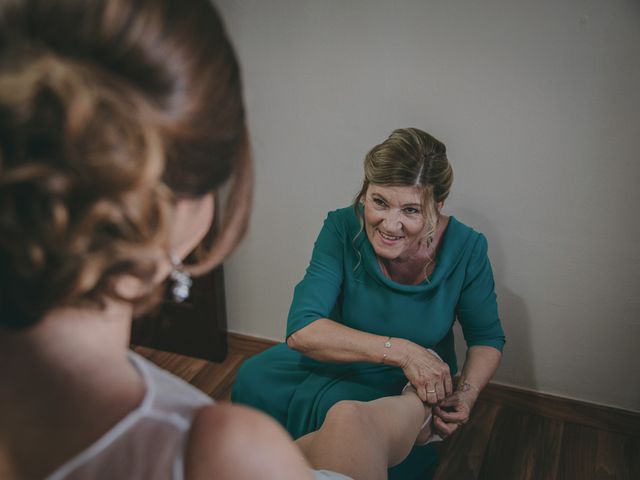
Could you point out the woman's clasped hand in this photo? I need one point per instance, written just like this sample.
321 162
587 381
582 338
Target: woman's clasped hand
453 412
426 371
431 378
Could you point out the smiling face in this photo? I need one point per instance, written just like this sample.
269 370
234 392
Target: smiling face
394 220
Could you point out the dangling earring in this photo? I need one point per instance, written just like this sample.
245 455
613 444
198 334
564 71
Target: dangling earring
181 280
429 240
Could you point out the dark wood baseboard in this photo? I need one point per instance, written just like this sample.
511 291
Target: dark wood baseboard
248 344
565 409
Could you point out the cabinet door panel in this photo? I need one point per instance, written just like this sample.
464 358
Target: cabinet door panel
197 327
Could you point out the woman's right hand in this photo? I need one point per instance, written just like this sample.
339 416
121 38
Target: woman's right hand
428 374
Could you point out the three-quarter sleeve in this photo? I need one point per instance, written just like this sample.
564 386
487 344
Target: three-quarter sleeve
315 296
477 308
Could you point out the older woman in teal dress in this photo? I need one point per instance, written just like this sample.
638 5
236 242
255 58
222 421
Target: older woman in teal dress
387 279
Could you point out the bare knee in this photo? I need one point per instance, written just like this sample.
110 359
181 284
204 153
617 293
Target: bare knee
350 442
347 408
350 413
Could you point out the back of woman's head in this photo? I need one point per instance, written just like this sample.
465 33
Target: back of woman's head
109 111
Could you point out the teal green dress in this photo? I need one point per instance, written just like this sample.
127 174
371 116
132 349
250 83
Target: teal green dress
344 283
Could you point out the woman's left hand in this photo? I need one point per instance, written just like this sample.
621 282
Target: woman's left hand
455 410
452 412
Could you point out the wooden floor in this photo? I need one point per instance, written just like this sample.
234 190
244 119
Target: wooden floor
512 435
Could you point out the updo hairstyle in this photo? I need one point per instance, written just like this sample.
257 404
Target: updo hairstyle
110 110
410 157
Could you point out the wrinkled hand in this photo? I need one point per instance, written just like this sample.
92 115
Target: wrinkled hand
452 412
428 374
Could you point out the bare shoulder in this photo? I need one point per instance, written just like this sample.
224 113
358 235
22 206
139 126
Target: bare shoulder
233 442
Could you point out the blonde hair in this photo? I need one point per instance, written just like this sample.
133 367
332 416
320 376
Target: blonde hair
409 157
102 127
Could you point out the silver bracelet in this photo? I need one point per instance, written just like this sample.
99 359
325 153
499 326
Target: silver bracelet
387 344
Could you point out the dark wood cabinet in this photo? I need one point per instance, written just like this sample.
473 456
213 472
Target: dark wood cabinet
197 327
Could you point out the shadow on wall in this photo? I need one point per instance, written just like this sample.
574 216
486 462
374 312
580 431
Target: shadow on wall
517 366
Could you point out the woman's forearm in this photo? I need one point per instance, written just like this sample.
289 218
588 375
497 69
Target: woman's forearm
329 341
479 367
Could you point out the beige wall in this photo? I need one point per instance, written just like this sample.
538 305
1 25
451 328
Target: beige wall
539 105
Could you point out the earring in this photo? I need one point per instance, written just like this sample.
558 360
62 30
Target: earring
181 280
429 240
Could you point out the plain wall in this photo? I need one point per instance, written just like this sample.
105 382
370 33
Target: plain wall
538 104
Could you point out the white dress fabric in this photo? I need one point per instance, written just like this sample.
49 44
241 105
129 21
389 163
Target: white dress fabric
148 443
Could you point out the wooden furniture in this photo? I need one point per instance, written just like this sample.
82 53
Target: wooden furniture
196 328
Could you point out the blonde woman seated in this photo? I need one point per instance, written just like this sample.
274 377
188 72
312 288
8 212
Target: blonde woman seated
388 277
118 122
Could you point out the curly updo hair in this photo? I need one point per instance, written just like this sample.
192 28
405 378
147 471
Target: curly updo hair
110 110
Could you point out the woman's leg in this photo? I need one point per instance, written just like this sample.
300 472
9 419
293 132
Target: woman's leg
364 439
